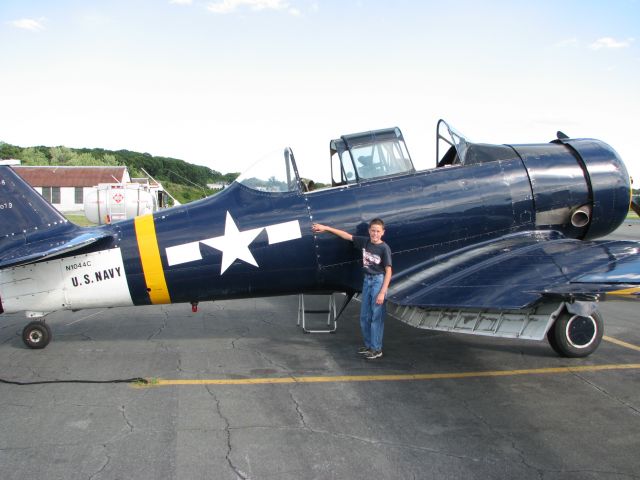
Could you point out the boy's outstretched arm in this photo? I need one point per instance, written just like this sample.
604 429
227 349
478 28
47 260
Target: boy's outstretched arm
319 228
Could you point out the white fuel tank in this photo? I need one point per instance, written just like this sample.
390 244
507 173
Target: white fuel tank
109 203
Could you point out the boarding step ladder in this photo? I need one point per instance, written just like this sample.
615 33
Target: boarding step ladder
313 306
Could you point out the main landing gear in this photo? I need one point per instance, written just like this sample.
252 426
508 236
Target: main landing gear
572 329
36 334
576 335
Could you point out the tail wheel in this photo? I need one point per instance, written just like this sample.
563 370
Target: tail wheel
576 336
36 335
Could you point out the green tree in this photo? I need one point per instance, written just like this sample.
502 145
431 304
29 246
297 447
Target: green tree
110 159
33 156
9 151
230 177
186 180
61 155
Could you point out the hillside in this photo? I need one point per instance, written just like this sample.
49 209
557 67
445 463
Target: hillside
184 181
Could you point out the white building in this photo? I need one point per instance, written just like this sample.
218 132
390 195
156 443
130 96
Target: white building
66 187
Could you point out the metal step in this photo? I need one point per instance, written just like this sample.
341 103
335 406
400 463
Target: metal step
525 324
330 312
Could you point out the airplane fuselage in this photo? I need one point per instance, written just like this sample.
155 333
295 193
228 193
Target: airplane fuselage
244 242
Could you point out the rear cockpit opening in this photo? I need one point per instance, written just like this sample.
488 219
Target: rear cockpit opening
453 148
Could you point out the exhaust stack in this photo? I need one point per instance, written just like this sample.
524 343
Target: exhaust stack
581 216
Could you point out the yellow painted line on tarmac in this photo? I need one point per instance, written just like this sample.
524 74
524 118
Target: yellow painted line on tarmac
621 343
159 382
633 291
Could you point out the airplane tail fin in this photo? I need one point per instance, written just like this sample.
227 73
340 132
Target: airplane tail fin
22 209
31 229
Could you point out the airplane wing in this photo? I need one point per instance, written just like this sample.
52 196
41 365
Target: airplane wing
518 270
20 253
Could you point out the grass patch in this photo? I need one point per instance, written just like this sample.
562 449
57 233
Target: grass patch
79 219
146 382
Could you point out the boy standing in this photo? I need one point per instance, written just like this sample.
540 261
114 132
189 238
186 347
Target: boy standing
376 265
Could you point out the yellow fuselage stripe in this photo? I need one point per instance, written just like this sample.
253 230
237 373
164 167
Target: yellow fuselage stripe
150 258
388 378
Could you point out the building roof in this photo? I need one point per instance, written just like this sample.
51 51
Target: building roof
57 176
9 161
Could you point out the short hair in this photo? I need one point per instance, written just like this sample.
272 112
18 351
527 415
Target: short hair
376 221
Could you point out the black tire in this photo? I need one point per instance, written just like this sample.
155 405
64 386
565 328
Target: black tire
551 338
576 336
36 335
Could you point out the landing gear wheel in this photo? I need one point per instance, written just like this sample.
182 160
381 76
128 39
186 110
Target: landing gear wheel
551 338
36 334
576 336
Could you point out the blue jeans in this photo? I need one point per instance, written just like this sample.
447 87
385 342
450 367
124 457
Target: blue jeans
371 314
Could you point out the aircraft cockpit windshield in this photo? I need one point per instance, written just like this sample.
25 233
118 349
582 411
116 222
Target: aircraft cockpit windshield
275 172
369 155
451 147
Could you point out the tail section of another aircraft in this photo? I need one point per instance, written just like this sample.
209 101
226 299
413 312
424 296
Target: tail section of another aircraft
23 211
31 229
37 274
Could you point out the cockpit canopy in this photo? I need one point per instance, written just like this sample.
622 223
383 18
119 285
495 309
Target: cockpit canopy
358 157
369 155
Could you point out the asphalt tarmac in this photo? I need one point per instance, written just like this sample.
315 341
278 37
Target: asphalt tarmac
238 391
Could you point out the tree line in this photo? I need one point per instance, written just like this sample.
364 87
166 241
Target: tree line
183 180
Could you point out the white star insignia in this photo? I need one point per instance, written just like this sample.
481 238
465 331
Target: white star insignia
234 244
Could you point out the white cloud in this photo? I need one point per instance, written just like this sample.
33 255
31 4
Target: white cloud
609 42
181 2
28 24
228 6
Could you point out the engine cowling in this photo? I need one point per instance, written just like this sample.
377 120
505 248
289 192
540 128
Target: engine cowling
580 186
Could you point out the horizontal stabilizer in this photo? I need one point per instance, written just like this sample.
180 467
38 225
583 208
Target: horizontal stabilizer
518 270
47 248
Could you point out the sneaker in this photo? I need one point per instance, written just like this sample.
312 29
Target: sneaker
363 350
373 354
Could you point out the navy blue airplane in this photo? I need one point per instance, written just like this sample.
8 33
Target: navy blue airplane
495 240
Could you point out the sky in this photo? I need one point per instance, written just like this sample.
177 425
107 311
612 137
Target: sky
222 83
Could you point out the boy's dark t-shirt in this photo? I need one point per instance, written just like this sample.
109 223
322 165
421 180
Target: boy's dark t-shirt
374 257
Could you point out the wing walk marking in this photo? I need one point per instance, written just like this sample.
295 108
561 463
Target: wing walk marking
150 258
621 343
391 378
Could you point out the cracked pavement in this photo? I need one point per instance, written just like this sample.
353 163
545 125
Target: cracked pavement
582 425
